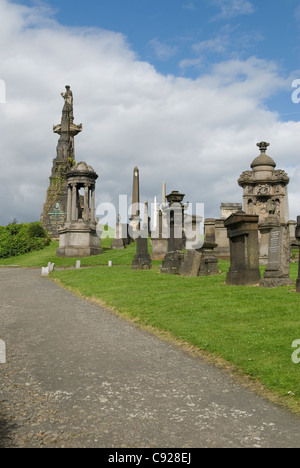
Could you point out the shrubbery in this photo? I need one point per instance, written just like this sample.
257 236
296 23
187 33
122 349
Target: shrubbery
17 239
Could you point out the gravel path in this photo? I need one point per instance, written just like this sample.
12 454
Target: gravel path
78 376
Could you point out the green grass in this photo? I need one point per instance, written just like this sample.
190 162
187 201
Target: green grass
250 327
41 258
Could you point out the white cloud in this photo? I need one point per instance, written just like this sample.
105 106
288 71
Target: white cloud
162 50
232 8
198 136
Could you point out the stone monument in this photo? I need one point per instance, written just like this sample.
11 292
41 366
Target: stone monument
260 185
173 259
55 208
78 237
159 238
277 272
244 254
134 223
209 261
142 260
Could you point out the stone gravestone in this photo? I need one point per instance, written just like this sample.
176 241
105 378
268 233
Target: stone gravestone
142 260
191 263
277 272
209 261
242 231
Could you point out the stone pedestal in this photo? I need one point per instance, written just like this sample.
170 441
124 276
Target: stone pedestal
277 272
171 264
78 239
209 262
242 232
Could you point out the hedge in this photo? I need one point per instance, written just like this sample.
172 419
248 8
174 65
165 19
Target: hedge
17 239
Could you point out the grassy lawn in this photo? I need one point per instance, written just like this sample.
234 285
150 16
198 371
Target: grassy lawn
250 327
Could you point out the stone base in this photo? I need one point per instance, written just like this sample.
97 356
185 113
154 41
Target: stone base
118 244
142 262
78 240
172 263
209 265
243 278
276 282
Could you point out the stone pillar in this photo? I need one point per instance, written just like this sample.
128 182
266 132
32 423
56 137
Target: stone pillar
74 202
86 204
69 204
172 262
242 231
93 204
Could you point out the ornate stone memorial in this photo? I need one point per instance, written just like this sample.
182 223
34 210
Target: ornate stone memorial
261 185
55 208
78 237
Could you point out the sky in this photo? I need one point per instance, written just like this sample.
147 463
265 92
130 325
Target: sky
183 89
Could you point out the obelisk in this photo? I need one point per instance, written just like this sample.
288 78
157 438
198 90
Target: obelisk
135 208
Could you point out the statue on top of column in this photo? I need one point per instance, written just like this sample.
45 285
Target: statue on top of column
68 98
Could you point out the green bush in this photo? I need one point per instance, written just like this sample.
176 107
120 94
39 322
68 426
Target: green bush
17 239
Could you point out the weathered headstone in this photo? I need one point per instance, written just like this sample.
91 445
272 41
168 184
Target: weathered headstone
51 267
209 261
191 263
242 231
142 260
277 272
45 271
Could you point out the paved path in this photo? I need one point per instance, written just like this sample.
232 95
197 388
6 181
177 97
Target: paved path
78 376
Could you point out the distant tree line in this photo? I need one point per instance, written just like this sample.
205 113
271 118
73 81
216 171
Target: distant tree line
17 239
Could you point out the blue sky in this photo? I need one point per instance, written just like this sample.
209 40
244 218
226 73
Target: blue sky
187 37
183 89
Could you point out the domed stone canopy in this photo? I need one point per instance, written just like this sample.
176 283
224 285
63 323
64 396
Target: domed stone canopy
263 159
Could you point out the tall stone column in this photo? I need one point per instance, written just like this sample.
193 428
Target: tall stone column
86 205
69 204
93 204
74 202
